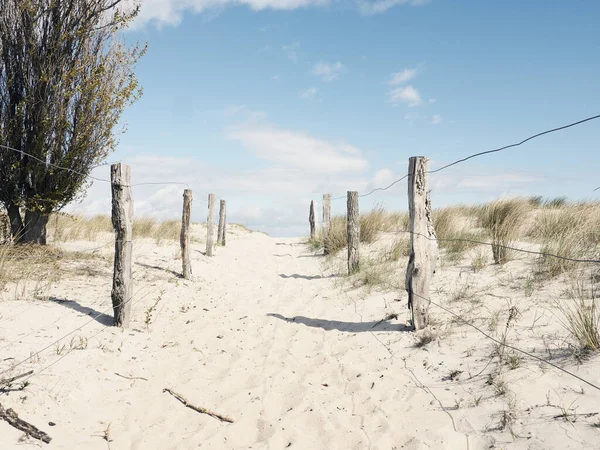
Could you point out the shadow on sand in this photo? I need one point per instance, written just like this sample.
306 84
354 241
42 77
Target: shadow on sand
98 316
148 266
348 327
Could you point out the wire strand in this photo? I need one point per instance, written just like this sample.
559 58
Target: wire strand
516 144
485 153
522 250
104 180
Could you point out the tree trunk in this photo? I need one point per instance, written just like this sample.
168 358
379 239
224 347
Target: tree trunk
16 222
35 228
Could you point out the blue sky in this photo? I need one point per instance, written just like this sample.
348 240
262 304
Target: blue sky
271 103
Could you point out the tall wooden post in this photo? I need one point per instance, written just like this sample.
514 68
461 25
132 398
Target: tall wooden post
184 238
326 222
222 223
311 220
122 220
423 243
210 225
353 226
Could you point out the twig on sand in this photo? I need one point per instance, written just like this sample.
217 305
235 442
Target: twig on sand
131 378
10 380
13 419
386 318
197 408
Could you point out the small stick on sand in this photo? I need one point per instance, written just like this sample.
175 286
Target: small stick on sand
386 318
197 408
13 419
131 378
10 380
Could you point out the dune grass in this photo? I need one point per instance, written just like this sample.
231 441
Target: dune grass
66 227
21 264
455 232
580 316
502 219
571 232
372 225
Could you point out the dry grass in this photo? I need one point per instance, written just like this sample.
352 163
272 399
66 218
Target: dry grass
572 232
372 225
580 316
65 227
24 264
454 229
503 219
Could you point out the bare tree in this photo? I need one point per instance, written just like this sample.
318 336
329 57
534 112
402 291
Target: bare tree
65 79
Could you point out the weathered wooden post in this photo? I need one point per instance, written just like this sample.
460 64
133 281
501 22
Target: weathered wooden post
311 220
210 225
353 227
326 222
423 242
222 223
122 220
184 238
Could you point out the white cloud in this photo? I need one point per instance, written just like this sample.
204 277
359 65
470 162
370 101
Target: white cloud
171 12
327 72
402 77
298 150
437 119
432 100
309 93
370 7
405 94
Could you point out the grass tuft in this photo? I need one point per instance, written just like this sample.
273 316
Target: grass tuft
503 219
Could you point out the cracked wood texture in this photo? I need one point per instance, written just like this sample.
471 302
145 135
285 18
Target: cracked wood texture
122 220
210 226
353 225
312 220
222 223
184 238
326 222
423 243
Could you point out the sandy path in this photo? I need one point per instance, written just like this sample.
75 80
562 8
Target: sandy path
261 335
322 380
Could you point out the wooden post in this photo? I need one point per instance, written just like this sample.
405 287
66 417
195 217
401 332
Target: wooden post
122 220
353 226
311 220
222 223
184 238
210 225
326 222
423 243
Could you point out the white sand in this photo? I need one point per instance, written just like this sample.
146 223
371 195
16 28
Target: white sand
295 357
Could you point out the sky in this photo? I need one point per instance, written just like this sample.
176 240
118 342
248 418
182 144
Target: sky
269 104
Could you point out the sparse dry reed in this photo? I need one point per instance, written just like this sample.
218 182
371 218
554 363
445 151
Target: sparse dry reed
503 219
580 316
572 232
